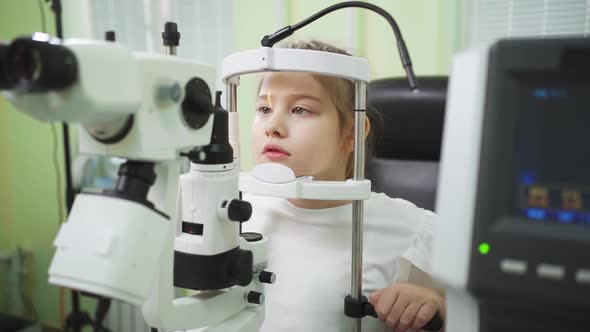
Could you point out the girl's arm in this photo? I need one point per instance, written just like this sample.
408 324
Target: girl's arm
414 275
411 301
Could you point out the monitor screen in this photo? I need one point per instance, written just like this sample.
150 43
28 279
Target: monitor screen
551 160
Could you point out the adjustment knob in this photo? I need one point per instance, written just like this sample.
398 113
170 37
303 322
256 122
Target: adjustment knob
239 210
170 35
197 106
267 277
251 236
110 36
255 297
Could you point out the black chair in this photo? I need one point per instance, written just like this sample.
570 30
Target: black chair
407 150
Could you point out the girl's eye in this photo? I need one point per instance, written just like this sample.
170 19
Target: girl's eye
300 110
264 110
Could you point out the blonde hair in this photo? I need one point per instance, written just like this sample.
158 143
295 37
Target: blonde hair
342 92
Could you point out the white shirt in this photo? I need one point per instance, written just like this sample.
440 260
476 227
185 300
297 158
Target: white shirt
309 250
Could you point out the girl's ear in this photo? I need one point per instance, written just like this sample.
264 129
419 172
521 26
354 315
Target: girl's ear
349 142
367 127
350 138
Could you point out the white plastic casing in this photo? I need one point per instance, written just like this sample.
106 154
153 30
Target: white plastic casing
201 196
201 193
306 188
108 86
284 59
113 83
109 246
159 132
259 252
460 156
271 179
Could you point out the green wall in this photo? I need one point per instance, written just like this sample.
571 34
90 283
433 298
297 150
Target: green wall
28 190
29 216
428 29
28 209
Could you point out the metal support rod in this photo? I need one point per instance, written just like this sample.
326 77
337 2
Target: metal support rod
232 97
356 285
233 119
171 50
234 124
360 105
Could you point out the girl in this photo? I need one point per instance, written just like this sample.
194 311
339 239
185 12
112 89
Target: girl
305 122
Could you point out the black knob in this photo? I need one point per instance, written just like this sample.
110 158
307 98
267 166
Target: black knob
109 36
251 236
239 210
255 297
197 106
267 277
170 36
143 171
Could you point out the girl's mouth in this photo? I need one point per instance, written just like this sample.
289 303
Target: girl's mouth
275 152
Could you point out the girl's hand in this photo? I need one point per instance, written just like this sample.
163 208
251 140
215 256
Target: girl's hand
407 307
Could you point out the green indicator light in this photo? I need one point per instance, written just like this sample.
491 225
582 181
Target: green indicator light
484 248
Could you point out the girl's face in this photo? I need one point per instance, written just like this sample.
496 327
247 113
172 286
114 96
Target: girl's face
297 125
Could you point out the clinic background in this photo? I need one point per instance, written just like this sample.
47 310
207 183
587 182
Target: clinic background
31 190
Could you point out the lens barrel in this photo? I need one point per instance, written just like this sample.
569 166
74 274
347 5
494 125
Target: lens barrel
39 66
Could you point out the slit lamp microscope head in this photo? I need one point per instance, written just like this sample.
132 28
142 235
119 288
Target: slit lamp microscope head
146 108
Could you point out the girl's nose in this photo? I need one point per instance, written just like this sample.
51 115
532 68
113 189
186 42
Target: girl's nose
275 126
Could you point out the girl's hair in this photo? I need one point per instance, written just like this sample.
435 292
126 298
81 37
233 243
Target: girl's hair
342 92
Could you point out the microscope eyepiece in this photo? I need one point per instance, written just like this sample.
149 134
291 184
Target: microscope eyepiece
36 65
26 63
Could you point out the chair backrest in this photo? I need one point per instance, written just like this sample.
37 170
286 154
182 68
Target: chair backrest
407 150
